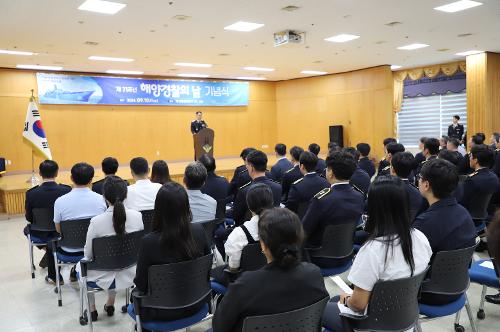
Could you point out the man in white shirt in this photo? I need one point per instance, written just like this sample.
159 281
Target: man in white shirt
202 206
142 194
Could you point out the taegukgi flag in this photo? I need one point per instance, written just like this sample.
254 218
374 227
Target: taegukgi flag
33 131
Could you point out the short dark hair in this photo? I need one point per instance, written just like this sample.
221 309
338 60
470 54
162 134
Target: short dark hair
395 148
454 141
342 164
295 152
477 139
403 163
208 161
422 139
352 151
259 198
258 160
109 165
309 160
332 146
139 166
195 175
432 145
160 173
364 149
441 175
314 148
48 169
484 155
451 156
389 140
482 135
280 149
82 173
199 112
456 117
245 152
445 138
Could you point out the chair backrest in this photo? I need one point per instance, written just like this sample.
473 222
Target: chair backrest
478 206
43 220
338 241
209 227
74 233
147 220
116 252
179 285
252 257
302 209
220 211
307 319
449 272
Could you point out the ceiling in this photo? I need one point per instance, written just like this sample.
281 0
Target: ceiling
147 31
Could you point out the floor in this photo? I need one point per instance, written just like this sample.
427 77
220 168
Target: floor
31 305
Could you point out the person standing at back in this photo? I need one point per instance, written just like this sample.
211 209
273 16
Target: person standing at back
364 161
456 130
215 186
293 174
321 166
282 164
203 207
141 195
109 167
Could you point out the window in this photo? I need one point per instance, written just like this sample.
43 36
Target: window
429 116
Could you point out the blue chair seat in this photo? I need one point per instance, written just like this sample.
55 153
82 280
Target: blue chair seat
434 311
483 275
480 227
179 324
326 272
39 240
218 288
68 259
92 284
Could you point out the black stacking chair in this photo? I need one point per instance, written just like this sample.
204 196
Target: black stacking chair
220 211
147 219
307 319
73 236
478 209
43 222
111 253
175 286
209 227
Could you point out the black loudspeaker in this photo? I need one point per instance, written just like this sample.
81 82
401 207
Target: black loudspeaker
2 166
337 135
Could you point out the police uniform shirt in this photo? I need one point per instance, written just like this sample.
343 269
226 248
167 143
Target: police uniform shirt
496 167
44 196
321 166
419 158
418 203
196 126
417 173
361 180
481 182
240 178
304 189
281 166
215 186
290 176
339 204
382 167
464 165
456 131
367 165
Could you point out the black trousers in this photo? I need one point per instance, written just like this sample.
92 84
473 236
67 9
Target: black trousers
51 269
332 319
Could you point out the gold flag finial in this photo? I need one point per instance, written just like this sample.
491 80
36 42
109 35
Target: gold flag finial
32 98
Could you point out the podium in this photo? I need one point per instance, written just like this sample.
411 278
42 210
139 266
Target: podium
203 143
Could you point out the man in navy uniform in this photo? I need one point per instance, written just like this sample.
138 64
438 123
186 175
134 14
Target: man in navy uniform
364 162
431 151
282 165
304 189
359 179
198 124
43 197
456 130
215 186
390 150
293 174
419 157
464 167
240 176
384 164
109 167
321 166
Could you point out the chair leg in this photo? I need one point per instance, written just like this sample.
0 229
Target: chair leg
138 322
85 292
480 312
457 317
58 282
418 327
32 265
469 313
127 300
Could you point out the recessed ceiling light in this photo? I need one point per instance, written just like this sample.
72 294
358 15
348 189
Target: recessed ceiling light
394 67
194 75
458 6
125 72
101 6
252 78
38 67
342 38
313 72
107 58
243 26
16 52
466 53
190 64
290 8
258 69
412 46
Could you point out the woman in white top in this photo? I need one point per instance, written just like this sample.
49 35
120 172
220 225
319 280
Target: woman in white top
115 220
394 250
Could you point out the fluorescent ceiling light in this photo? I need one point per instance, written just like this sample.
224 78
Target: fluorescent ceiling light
253 78
101 6
394 67
189 64
258 69
243 26
458 6
313 72
342 38
466 53
107 58
412 46
37 67
193 75
16 52
125 72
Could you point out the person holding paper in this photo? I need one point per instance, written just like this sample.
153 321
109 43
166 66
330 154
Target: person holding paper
394 250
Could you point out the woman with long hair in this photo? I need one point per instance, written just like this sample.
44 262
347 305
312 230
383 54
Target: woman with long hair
160 172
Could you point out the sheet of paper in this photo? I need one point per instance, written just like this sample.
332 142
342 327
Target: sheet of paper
342 285
487 264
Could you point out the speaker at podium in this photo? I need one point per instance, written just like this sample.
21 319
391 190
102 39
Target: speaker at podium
203 143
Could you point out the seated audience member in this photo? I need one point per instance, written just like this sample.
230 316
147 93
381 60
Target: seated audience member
453 145
419 157
215 186
43 197
333 147
394 250
141 195
359 179
284 284
259 198
109 167
282 164
364 161
240 176
390 150
174 239
304 189
79 203
450 156
117 220
443 142
321 166
384 164
203 207
339 204
256 166
493 140
493 235
464 167
401 166
293 174
160 172
431 150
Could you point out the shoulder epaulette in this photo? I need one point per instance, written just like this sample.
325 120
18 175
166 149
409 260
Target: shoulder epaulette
243 171
472 174
246 184
291 169
298 180
423 162
383 159
412 184
386 168
322 193
358 189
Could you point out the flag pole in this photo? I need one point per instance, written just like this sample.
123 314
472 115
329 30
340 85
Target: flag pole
33 179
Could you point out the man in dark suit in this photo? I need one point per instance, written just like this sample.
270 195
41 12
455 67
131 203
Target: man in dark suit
109 167
215 186
282 165
321 166
431 150
44 196
198 124
303 190
390 150
452 146
359 179
240 176
456 130
364 161
384 164
293 174
464 167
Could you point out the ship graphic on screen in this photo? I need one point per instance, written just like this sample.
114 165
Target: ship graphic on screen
57 93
